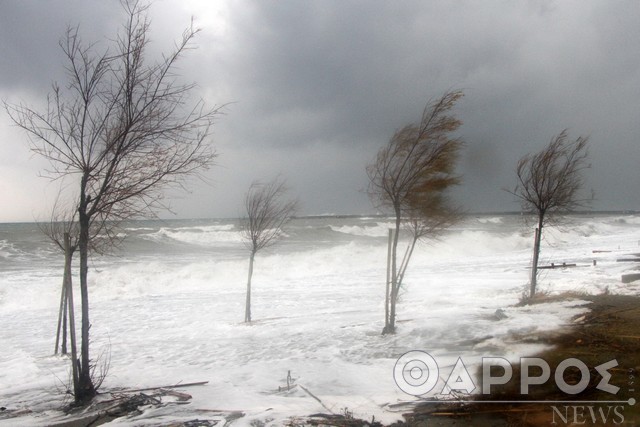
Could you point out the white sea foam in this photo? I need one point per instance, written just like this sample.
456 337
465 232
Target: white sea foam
490 220
206 235
5 249
377 230
8 250
173 312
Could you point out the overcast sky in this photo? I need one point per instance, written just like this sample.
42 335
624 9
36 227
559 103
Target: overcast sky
315 88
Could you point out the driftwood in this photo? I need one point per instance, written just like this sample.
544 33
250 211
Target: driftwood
631 277
165 387
317 399
553 265
122 404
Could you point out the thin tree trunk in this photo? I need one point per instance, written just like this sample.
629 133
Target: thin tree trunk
61 313
536 257
391 327
405 263
68 255
388 285
86 389
65 326
72 322
247 307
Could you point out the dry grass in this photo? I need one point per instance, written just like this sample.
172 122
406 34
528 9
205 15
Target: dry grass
543 297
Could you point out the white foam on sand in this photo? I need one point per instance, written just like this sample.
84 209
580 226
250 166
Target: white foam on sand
318 316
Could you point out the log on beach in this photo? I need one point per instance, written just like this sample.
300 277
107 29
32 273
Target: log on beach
630 277
554 265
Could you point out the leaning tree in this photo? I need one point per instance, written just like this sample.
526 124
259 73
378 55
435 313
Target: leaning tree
62 230
124 129
267 211
411 176
549 184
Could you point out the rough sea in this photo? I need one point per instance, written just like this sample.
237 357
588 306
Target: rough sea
168 305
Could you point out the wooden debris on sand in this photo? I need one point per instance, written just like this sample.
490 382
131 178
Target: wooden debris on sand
630 277
554 265
127 403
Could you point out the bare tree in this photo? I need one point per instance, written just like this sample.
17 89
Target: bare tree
267 212
122 128
411 176
63 230
549 183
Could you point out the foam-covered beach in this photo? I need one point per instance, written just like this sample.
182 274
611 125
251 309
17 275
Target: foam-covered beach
168 308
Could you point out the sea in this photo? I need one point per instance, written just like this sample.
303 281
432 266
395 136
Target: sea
167 307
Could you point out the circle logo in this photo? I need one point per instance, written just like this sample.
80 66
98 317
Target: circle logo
416 373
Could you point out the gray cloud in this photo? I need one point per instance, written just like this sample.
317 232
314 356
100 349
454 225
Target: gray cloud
318 86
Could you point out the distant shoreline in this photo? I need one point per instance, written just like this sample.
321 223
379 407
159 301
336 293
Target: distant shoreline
373 216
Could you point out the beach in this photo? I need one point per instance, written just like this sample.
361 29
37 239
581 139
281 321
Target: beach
167 309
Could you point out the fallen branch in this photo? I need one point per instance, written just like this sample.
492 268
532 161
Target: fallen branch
554 265
317 398
164 386
151 398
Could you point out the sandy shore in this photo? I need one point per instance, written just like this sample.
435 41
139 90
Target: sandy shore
610 330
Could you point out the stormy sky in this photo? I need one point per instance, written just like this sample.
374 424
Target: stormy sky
314 88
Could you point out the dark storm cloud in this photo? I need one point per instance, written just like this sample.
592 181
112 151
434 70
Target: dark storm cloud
316 87
30 31
351 69
349 73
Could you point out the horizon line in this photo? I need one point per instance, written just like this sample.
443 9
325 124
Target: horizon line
361 215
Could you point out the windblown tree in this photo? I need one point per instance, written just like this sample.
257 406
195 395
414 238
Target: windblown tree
411 177
549 184
268 210
124 129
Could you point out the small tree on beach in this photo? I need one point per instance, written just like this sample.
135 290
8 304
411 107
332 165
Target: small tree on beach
267 212
64 232
122 129
411 176
549 184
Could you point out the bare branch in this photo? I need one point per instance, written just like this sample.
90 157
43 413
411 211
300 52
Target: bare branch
550 181
63 220
267 212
